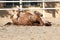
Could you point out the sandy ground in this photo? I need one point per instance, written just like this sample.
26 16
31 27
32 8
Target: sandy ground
13 32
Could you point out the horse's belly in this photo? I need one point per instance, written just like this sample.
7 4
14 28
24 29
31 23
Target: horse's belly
24 21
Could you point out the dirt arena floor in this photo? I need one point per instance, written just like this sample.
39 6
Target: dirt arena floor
13 32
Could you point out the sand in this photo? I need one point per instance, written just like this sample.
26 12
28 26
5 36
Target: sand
14 32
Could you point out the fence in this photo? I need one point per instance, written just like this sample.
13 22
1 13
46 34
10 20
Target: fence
20 2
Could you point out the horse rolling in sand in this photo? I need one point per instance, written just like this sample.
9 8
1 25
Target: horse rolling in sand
27 18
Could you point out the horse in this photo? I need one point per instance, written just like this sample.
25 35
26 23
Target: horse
27 18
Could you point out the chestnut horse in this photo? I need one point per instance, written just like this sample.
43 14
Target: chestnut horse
27 18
